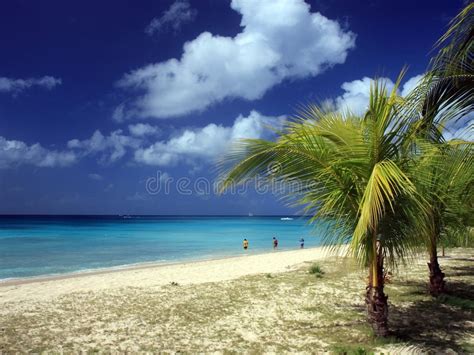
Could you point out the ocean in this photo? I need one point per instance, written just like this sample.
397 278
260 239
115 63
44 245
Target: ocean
49 245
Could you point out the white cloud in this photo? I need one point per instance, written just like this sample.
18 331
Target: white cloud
461 129
110 148
16 86
13 152
410 84
207 142
119 113
356 99
356 93
280 39
192 146
95 176
142 129
178 14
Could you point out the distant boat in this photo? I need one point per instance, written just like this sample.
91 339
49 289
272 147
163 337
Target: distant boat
286 219
250 214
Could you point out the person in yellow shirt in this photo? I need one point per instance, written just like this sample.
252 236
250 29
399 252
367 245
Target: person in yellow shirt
245 244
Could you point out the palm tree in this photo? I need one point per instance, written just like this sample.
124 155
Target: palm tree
447 92
443 174
351 171
445 95
455 56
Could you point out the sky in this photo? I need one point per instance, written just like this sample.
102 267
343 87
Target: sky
124 107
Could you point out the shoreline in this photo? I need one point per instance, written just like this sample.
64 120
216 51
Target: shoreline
14 281
158 275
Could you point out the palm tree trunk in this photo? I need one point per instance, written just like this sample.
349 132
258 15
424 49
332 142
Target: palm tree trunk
437 282
376 300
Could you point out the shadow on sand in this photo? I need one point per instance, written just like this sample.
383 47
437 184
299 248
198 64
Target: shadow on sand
438 323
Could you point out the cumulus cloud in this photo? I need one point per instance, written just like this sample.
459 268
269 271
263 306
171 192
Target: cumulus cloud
142 129
179 13
203 143
280 39
356 93
14 153
16 86
192 145
356 99
206 142
109 148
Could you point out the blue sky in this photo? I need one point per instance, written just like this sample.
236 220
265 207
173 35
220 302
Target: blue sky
100 100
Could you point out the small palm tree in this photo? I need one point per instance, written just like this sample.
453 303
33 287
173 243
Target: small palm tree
445 95
350 171
443 174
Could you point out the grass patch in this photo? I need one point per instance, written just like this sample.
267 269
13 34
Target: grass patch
368 346
350 350
456 302
315 269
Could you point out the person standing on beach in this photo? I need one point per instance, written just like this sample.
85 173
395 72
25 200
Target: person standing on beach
245 244
302 242
275 243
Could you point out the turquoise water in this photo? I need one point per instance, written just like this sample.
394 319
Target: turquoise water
33 246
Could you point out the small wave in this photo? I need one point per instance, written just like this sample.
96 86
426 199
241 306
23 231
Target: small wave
86 271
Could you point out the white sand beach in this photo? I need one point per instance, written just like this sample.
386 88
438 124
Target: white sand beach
149 275
267 303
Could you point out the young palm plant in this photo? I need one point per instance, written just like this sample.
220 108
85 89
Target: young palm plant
443 174
444 96
351 172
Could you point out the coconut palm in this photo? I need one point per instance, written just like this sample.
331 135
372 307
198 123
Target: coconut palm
443 174
444 96
446 93
350 171
456 46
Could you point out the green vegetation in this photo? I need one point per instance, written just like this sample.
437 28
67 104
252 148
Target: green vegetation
315 269
350 350
387 180
444 170
457 302
458 239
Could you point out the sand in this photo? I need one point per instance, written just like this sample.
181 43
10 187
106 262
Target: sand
47 288
269 303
